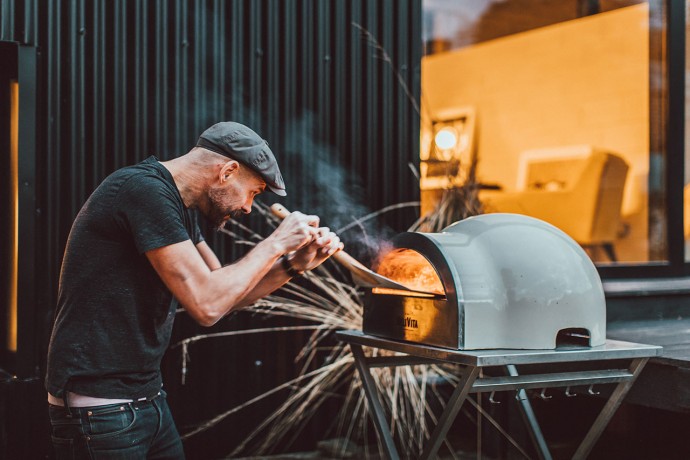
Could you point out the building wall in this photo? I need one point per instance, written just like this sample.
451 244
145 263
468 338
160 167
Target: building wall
118 81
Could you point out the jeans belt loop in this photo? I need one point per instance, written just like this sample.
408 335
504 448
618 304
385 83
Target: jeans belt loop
146 399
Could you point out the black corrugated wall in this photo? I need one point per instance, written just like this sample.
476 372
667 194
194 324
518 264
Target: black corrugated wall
120 80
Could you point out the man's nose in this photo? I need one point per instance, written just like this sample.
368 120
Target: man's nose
247 207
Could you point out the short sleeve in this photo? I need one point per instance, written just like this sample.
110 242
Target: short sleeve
197 236
151 211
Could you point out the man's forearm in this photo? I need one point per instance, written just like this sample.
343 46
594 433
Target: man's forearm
274 279
209 294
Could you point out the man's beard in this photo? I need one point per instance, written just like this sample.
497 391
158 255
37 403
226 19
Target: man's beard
217 213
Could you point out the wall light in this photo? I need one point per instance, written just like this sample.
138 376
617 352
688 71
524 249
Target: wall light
447 147
446 138
14 225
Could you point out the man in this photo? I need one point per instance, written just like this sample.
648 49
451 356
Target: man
134 245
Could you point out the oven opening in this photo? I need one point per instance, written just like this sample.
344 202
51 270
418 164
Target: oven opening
412 270
573 336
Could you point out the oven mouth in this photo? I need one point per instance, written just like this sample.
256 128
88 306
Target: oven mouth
412 269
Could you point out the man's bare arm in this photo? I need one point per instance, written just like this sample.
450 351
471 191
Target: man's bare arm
210 294
208 255
307 258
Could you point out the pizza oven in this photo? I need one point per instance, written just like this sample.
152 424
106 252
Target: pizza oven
490 281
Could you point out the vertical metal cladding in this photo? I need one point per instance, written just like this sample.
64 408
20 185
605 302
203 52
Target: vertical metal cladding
119 81
122 80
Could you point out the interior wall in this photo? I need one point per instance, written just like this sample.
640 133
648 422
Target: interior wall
584 81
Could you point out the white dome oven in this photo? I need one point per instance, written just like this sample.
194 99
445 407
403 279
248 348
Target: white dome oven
491 281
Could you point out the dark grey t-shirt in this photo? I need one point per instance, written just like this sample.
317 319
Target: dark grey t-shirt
114 314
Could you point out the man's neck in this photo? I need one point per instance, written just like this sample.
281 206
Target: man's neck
187 180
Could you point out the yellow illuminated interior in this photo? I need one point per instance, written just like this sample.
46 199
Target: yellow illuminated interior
14 224
542 96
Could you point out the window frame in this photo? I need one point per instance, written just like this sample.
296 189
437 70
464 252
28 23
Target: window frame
673 156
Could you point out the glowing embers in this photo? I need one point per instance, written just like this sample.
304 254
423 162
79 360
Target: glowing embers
411 269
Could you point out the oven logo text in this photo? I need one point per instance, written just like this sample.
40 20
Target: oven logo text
410 323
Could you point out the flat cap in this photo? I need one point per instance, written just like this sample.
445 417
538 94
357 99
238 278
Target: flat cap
237 141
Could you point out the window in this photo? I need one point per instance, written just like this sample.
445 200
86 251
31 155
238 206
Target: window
570 107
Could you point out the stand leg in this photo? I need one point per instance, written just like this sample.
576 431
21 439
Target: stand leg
371 392
450 412
609 409
531 420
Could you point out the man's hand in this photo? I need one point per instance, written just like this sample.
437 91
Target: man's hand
295 231
315 253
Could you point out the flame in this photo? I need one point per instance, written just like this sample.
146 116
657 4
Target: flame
411 269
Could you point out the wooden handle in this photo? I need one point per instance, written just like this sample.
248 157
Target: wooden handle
341 256
361 275
279 210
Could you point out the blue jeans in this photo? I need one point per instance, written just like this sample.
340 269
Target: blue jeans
136 430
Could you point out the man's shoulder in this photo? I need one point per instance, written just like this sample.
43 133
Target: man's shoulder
145 175
147 168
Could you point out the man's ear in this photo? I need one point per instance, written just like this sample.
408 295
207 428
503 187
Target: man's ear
228 169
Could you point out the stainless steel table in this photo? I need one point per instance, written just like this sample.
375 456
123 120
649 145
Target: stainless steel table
471 362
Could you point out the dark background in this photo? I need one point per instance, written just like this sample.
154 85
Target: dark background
104 84
115 82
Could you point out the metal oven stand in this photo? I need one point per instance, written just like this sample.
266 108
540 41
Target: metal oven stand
470 362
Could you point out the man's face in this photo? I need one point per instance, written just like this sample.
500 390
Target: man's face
233 197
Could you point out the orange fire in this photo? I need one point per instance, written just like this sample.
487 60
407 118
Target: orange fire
411 269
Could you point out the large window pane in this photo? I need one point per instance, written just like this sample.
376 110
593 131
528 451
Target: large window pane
560 107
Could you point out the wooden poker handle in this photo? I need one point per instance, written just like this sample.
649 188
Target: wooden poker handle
341 256
361 275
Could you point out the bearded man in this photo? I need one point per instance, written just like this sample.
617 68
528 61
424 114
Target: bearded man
133 246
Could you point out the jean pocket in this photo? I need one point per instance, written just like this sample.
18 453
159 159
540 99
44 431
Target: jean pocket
110 421
64 427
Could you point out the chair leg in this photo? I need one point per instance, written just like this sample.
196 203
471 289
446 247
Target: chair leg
610 252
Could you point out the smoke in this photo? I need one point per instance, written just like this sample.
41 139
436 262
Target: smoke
323 176
318 179
319 182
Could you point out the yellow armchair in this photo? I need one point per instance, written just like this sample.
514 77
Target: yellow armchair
580 194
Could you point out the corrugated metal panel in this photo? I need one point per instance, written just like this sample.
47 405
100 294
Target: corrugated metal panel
121 80
125 79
